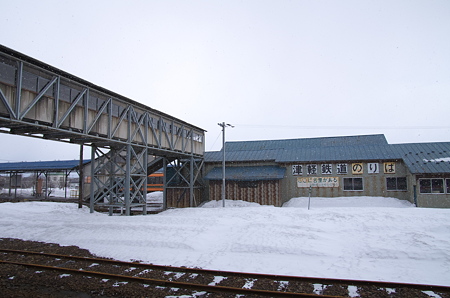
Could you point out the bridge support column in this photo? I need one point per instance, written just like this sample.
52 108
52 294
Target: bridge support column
119 178
183 184
165 183
191 182
127 183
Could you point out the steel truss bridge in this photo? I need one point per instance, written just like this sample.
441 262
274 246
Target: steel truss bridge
129 140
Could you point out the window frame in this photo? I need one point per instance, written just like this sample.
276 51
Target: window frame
345 185
432 191
396 188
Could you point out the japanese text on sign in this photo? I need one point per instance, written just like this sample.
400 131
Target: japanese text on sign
311 169
317 182
326 168
372 168
341 168
389 167
357 168
297 170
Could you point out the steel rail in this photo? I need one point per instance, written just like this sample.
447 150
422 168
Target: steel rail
324 281
173 284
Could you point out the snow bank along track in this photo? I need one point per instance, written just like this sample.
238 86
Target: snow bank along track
210 283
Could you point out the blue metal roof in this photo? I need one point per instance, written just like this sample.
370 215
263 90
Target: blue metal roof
337 153
371 147
40 165
425 158
249 155
418 157
247 173
378 139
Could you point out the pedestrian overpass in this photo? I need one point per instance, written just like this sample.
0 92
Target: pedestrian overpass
127 138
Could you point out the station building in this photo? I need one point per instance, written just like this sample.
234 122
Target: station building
274 171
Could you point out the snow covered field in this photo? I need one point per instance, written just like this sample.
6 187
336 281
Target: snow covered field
355 238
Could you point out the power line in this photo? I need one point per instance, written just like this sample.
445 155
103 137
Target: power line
264 126
215 141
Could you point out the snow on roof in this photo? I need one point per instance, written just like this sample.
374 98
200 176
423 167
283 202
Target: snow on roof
425 158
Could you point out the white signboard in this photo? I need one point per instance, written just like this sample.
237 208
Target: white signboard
327 168
297 170
341 168
311 169
317 182
373 168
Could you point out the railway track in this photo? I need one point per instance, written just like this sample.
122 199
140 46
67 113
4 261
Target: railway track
209 283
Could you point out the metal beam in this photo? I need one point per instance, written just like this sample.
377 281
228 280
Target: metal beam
120 125
19 75
99 114
7 105
38 97
70 109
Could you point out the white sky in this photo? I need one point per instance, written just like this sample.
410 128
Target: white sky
274 69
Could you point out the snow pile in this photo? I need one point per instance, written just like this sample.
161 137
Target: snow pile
155 197
348 202
370 243
230 204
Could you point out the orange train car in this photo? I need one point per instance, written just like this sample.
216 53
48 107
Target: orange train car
155 182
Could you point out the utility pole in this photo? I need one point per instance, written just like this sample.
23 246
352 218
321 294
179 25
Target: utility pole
81 175
223 125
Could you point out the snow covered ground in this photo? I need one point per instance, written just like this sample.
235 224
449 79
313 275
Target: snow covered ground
369 238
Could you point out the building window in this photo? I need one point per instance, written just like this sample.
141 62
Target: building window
447 181
353 183
396 183
431 185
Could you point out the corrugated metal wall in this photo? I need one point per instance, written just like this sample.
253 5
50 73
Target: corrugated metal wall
262 192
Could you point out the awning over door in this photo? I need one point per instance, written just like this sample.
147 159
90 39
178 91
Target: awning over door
247 173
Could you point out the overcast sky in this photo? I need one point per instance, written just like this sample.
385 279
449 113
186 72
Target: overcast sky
274 69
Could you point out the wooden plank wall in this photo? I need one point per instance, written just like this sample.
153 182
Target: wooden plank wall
179 197
262 192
